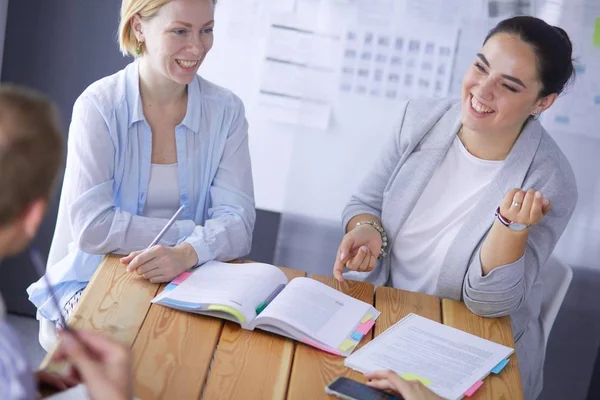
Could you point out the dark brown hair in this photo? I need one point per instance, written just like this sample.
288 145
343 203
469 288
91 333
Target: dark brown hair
552 47
31 150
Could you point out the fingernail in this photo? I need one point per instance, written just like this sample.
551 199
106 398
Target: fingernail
546 202
364 249
538 195
342 255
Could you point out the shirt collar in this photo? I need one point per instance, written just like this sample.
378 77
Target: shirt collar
136 111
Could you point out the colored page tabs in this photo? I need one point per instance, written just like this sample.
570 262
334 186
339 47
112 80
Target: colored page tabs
365 327
366 318
347 345
170 286
181 278
413 377
229 310
473 389
320 346
357 336
498 368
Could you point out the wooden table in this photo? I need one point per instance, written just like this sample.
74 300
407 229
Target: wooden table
180 355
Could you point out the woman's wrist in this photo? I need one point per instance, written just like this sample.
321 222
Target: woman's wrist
189 254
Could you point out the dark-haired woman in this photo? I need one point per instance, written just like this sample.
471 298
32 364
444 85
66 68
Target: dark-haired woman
469 198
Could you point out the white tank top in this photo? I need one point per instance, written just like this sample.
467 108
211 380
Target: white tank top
162 200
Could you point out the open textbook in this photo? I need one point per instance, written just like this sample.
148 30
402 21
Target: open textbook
259 296
449 361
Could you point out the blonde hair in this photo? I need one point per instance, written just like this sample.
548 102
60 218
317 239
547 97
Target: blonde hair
129 8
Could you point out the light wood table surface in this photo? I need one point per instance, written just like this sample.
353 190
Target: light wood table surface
180 355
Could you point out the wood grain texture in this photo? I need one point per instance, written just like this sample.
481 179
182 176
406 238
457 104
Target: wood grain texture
172 354
395 304
251 364
114 303
506 385
313 369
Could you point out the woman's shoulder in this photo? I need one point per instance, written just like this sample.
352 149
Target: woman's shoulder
551 166
212 92
109 92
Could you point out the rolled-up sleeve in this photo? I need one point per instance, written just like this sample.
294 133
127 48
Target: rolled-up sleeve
227 232
503 290
98 226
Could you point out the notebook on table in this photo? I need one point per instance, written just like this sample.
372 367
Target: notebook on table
259 296
448 361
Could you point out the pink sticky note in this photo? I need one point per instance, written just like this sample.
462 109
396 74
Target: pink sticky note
473 389
181 278
365 327
320 347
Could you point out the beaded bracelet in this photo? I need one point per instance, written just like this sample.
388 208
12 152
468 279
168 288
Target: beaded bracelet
384 241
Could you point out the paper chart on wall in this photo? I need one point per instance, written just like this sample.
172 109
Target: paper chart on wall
248 18
299 73
398 64
502 9
445 12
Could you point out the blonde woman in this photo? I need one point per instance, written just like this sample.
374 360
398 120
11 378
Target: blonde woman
143 142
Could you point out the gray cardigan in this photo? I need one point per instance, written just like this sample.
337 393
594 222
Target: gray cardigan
390 191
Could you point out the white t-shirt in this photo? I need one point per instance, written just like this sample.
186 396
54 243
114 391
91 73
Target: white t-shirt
422 243
163 191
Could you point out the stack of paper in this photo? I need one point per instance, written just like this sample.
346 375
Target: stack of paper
450 362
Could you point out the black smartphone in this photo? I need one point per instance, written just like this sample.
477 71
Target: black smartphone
348 389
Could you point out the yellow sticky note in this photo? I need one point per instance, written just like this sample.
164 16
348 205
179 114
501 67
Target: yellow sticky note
413 377
229 310
597 32
347 345
366 318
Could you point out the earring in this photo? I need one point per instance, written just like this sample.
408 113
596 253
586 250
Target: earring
535 114
138 49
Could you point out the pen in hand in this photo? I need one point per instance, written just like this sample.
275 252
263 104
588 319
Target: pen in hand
166 228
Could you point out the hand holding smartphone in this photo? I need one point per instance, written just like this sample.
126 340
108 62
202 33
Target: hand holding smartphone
348 389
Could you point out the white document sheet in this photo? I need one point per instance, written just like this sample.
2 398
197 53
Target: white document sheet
451 359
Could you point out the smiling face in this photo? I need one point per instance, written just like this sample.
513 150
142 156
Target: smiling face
501 89
177 38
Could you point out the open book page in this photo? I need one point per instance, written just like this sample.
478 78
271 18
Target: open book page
215 286
452 360
315 311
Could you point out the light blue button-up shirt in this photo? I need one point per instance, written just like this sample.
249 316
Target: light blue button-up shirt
16 376
108 171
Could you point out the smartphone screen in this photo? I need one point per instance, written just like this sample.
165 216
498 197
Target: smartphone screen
349 389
